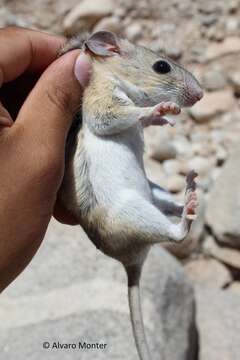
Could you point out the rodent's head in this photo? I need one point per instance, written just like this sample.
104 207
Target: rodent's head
147 77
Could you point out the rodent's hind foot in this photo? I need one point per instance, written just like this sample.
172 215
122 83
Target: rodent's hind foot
191 206
189 211
190 180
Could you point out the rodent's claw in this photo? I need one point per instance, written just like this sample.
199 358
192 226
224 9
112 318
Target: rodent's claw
175 109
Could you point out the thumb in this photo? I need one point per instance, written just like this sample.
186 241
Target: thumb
47 113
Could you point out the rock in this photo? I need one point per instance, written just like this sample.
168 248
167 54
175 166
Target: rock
215 174
71 292
157 46
191 242
86 14
175 50
231 45
235 82
208 273
233 6
120 12
211 105
198 49
226 255
177 317
203 149
214 80
215 32
182 146
223 208
111 23
134 31
217 136
159 144
218 323
200 134
171 166
154 172
7 18
163 151
231 125
232 25
207 7
176 183
96 326
209 19
221 155
235 288
184 168
201 165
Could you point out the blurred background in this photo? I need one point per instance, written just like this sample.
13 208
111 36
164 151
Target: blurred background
72 293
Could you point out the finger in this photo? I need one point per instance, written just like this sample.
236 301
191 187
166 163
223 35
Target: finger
64 216
22 49
48 111
5 118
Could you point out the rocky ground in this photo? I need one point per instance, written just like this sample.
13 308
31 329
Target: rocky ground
71 292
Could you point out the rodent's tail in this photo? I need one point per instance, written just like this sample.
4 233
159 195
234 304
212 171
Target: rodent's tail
134 274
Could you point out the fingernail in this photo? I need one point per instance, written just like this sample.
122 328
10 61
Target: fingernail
82 69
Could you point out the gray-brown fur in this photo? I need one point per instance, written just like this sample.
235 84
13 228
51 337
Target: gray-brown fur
105 184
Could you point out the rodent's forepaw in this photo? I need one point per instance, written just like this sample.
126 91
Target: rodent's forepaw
156 116
164 108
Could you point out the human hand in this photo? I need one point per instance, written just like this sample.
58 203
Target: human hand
41 95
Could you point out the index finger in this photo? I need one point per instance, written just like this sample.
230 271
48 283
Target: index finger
23 49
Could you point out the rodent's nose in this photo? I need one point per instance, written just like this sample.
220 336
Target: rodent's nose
193 89
193 95
199 94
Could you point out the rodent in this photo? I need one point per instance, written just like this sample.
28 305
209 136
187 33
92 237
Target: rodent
105 186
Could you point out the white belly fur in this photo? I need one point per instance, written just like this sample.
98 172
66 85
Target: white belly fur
116 165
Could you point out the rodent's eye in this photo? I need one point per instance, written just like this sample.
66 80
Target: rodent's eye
161 67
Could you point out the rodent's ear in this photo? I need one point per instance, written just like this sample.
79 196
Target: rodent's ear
103 43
